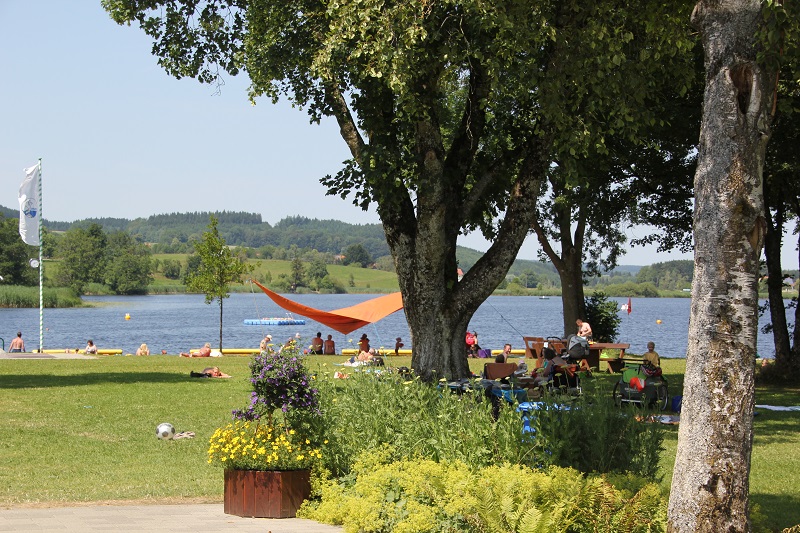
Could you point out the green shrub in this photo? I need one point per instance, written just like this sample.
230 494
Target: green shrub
421 495
602 314
594 435
366 411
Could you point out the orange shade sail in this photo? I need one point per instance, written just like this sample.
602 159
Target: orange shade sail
343 320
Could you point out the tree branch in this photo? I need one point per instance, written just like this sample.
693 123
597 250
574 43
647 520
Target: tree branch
347 126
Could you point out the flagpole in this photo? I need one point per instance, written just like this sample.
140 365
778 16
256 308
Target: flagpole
41 265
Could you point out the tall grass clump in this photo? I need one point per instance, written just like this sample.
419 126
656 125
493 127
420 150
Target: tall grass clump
423 420
419 419
17 296
594 435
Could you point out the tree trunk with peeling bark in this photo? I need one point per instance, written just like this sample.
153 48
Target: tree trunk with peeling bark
710 483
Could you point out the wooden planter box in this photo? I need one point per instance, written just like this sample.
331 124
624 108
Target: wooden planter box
266 494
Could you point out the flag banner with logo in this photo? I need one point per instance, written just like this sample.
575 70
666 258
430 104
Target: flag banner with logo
29 215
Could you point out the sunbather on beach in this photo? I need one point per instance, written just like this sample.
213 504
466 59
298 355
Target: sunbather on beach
214 372
209 372
205 351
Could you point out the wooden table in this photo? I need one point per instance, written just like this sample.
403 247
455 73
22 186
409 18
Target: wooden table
596 348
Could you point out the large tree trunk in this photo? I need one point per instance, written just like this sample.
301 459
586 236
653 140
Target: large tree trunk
710 483
777 311
422 239
569 263
572 298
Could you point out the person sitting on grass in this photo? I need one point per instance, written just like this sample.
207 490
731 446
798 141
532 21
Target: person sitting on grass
651 355
502 357
329 346
544 373
316 344
90 348
143 350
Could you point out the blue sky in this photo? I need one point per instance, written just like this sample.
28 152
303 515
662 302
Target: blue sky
118 137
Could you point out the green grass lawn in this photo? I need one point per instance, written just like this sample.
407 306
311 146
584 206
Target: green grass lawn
84 430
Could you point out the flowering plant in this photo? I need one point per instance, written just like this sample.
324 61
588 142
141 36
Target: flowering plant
266 435
280 381
244 445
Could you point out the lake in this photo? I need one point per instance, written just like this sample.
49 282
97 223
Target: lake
176 323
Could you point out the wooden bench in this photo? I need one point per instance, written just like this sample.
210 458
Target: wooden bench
533 347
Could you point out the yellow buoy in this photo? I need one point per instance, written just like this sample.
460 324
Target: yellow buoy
127 316
658 321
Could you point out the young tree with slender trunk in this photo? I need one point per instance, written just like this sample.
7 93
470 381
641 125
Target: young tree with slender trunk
218 268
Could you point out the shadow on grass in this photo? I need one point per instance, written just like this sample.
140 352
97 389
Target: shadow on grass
784 506
775 428
32 381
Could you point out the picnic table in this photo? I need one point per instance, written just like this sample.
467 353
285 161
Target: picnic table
614 364
534 345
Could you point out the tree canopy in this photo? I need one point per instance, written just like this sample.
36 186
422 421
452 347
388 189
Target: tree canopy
453 112
14 266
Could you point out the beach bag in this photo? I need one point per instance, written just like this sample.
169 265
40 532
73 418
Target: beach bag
676 404
483 354
215 353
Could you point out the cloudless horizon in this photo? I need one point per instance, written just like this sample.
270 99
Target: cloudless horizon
119 137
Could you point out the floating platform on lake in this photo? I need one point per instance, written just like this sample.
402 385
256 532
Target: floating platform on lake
276 321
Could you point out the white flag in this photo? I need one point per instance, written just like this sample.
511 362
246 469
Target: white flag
29 215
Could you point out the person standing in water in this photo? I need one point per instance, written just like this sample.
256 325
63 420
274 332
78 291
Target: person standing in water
17 345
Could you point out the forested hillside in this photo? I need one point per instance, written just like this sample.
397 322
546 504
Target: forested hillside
175 232
172 233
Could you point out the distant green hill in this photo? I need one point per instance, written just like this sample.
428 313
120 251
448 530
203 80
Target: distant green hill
249 230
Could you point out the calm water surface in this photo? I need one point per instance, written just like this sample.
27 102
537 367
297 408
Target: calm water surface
176 323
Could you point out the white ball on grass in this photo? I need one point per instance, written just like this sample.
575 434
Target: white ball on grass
165 431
